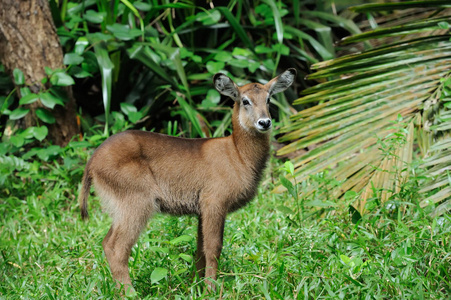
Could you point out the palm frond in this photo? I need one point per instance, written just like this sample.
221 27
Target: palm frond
437 146
362 95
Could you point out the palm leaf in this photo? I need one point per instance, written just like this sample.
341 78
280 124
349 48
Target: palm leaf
365 101
402 5
436 143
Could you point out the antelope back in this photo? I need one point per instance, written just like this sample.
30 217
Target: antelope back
253 99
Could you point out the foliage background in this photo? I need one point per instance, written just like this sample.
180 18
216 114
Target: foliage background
164 68
149 64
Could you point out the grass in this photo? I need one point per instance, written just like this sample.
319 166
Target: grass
48 252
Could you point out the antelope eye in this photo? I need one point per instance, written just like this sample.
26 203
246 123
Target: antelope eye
245 102
268 100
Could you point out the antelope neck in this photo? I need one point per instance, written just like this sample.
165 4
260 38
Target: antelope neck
251 145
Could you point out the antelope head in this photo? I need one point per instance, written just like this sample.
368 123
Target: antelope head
253 99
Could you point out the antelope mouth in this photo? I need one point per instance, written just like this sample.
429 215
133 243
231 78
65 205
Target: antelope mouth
264 130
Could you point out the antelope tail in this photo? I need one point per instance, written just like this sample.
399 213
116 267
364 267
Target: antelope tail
84 193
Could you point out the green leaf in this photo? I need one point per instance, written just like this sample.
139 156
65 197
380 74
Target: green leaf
106 70
4 148
186 257
212 99
253 66
24 91
135 116
94 17
78 72
19 77
28 99
45 115
289 167
284 209
32 152
49 71
345 259
214 67
119 121
237 51
260 49
49 100
51 151
142 6
123 32
181 239
127 108
286 183
284 50
40 133
17 140
213 96
238 63
223 56
80 45
277 19
60 78
28 133
158 274
18 113
131 112
208 17
73 59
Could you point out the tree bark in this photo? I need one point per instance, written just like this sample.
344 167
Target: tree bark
29 42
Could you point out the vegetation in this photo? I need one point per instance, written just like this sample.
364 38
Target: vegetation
271 249
154 62
405 78
360 214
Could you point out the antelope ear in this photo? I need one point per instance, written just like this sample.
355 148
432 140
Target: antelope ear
282 82
226 86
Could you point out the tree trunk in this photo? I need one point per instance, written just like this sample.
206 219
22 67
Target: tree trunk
29 42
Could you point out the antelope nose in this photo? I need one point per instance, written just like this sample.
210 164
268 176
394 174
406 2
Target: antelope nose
264 124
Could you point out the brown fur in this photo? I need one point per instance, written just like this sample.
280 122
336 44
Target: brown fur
137 173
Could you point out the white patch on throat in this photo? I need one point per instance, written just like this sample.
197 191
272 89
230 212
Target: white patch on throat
242 122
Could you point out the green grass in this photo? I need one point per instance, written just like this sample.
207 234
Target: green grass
48 252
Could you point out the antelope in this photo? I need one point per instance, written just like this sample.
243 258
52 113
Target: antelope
137 173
